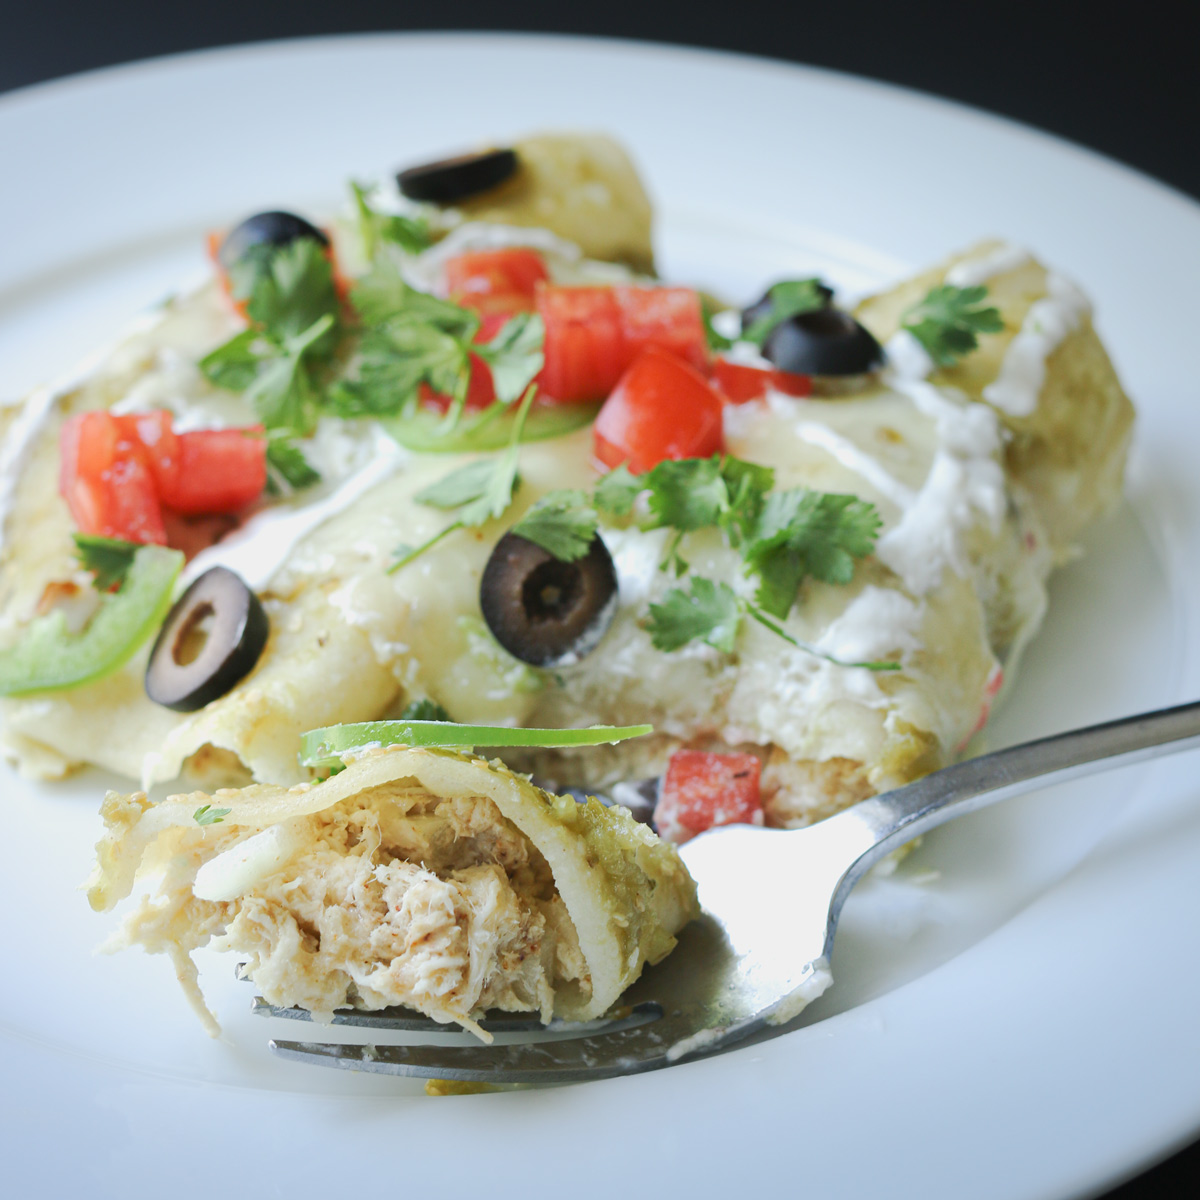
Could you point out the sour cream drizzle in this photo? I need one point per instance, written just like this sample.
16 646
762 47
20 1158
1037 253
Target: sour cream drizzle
965 478
260 547
1023 372
976 271
856 460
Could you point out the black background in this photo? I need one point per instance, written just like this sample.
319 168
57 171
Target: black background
1121 78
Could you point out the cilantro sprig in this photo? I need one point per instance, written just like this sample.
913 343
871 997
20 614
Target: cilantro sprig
305 356
948 320
712 613
413 338
480 490
562 523
783 537
207 815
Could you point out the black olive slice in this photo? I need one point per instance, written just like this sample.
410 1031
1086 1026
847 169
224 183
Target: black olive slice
454 179
209 642
764 304
266 229
825 341
544 611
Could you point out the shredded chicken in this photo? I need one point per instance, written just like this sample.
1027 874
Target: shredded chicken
395 898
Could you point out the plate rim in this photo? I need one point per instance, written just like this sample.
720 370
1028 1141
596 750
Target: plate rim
100 77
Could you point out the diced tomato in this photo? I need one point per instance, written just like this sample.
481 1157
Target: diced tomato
158 444
739 382
495 281
480 389
105 481
594 333
661 408
584 346
666 317
117 474
701 790
218 471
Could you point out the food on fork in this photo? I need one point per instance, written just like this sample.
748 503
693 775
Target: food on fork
513 477
417 877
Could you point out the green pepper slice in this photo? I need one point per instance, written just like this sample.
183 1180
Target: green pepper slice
325 747
50 658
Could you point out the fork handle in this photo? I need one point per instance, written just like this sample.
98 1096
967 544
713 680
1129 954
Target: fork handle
896 817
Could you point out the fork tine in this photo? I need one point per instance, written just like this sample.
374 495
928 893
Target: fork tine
406 1020
626 1052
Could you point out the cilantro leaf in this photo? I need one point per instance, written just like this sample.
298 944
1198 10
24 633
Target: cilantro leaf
382 294
411 234
286 289
788 299
109 559
514 355
707 610
234 365
286 460
949 319
395 358
562 523
481 490
747 485
687 493
424 710
695 493
274 374
616 492
803 532
460 487
500 487
207 815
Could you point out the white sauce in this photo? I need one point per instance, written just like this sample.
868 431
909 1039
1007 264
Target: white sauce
1023 371
879 622
260 547
906 356
854 459
976 271
965 479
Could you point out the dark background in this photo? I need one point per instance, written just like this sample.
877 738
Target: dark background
1123 79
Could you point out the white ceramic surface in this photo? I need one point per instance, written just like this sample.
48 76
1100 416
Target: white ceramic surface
1019 1026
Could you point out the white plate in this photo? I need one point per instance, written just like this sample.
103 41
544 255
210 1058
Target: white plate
1021 1027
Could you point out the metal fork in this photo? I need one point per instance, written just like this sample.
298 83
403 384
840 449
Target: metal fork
760 951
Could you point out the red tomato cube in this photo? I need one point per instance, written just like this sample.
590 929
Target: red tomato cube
661 408
512 274
105 481
218 471
666 317
584 348
701 790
